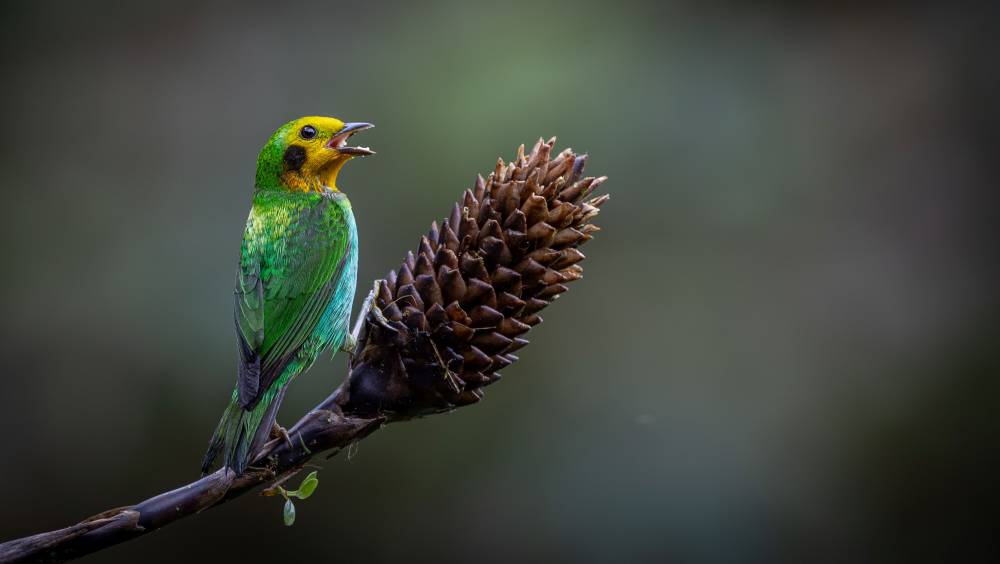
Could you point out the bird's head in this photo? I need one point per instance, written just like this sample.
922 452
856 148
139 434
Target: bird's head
305 155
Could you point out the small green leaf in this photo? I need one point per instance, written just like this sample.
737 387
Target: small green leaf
306 489
289 513
308 486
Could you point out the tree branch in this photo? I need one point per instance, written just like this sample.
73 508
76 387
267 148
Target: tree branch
324 428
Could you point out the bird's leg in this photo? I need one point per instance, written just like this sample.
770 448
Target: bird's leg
279 431
352 339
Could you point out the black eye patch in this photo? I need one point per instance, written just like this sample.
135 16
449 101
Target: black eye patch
307 132
295 155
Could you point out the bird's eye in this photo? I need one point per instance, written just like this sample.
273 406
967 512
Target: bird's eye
308 132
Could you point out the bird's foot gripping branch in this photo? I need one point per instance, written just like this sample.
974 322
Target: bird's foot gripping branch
433 334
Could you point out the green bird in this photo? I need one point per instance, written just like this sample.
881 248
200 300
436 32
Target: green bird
296 277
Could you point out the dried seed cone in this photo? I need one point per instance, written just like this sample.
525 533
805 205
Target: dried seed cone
453 315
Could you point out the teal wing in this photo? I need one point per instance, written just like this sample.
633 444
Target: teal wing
295 250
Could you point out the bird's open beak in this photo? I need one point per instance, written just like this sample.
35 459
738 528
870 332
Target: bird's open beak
339 141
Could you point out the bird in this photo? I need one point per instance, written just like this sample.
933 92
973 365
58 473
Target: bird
295 281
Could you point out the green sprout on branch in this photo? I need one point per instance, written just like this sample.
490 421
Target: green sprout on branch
306 489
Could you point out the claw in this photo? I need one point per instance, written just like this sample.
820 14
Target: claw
380 318
349 344
279 431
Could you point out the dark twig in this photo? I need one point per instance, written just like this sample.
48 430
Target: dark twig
322 429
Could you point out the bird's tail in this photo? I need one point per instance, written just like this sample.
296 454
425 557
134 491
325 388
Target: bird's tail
241 433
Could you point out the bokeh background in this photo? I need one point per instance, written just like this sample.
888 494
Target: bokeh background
785 348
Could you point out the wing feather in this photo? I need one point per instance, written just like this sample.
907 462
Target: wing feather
294 252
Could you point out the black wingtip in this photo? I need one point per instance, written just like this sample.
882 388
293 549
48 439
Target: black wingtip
248 382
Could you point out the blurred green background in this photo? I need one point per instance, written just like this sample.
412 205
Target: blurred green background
784 348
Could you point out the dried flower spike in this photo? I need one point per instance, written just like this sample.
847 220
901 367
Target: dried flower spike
443 326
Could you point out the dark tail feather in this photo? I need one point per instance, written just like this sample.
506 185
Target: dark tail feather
263 431
241 433
228 426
